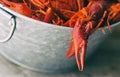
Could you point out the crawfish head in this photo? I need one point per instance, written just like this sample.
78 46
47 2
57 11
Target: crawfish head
95 9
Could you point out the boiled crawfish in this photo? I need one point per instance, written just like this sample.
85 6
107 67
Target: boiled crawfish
84 16
59 10
114 13
83 22
23 9
63 9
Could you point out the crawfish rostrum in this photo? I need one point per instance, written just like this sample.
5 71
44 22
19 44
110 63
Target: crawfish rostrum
84 16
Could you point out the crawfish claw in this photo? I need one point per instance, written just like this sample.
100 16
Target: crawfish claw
80 55
78 45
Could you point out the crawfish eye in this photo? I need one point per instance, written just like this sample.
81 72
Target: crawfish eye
94 17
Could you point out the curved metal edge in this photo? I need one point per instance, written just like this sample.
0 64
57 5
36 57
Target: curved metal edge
13 24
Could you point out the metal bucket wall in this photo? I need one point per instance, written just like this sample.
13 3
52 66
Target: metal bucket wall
41 46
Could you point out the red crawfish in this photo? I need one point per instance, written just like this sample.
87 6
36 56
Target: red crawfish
114 13
60 4
43 12
18 7
64 8
84 22
56 10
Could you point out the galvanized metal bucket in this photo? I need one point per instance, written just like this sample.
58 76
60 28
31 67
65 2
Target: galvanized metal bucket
40 46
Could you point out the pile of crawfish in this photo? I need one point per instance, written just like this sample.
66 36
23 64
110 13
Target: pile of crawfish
84 16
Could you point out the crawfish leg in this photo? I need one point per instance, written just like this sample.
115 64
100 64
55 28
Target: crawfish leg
48 15
80 4
100 22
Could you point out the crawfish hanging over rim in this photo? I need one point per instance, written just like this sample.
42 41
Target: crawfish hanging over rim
84 16
83 22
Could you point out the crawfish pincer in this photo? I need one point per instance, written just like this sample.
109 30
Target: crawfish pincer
83 22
